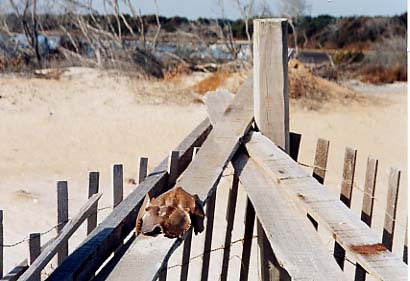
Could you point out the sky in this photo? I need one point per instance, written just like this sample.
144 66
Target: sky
209 8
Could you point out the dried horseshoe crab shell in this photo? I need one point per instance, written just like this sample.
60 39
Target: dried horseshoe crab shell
172 213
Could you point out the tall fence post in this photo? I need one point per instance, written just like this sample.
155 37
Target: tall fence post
1 244
117 184
271 103
270 79
93 186
173 167
143 169
62 217
35 250
391 208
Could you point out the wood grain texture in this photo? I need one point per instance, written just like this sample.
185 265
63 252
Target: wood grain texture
247 240
47 254
143 169
110 233
391 208
230 216
297 246
117 184
93 186
62 217
367 206
362 243
346 192
320 163
270 71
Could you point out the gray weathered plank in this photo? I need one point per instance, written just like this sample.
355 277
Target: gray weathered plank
62 217
230 215
270 71
111 232
391 208
297 246
117 184
16 272
47 254
350 232
216 103
93 186
143 169
320 163
247 240
200 178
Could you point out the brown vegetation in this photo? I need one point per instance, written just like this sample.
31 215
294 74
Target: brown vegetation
212 82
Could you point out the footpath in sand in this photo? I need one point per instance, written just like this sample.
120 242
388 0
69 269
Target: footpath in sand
61 129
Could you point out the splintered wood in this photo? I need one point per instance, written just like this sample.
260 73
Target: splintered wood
348 230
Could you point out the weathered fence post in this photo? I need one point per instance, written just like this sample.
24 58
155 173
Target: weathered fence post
319 169
93 185
367 206
143 169
349 167
186 252
230 215
35 250
270 76
271 101
173 168
247 240
405 253
62 217
117 184
1 244
391 208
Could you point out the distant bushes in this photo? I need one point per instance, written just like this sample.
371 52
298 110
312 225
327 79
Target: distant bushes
387 62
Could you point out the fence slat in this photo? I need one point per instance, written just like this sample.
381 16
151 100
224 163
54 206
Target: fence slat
110 233
367 206
117 184
405 253
143 169
49 251
294 145
173 168
346 228
391 208
93 186
230 215
346 195
210 212
186 252
321 156
34 251
62 217
1 245
247 240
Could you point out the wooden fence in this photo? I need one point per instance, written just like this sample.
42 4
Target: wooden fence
286 204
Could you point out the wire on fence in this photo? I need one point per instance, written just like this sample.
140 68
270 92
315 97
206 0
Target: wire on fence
50 229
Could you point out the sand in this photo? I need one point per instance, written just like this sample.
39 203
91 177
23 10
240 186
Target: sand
88 120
